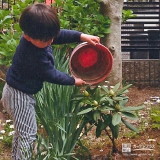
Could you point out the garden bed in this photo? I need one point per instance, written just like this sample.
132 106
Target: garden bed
145 145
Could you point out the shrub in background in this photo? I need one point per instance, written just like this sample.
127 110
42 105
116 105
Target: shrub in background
83 15
10 31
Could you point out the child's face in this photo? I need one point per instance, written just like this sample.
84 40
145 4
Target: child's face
38 43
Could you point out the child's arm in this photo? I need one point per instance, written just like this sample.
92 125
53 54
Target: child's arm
72 36
90 38
79 82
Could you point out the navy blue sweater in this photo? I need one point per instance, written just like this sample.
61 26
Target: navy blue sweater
31 66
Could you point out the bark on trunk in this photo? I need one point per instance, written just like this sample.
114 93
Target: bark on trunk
113 9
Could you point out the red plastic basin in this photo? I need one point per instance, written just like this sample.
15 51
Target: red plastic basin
91 63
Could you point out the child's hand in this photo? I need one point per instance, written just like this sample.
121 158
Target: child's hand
79 82
90 39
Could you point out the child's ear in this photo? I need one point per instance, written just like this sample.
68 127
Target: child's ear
27 37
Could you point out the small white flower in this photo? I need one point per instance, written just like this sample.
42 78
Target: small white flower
112 87
106 81
148 102
11 133
158 101
151 140
42 126
99 86
105 86
3 131
145 103
11 126
146 124
1 137
9 120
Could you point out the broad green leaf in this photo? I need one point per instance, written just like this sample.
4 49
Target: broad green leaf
105 89
3 53
4 37
85 111
124 102
130 115
106 99
107 120
96 115
121 91
130 126
132 108
116 87
110 108
103 124
115 130
97 94
6 18
116 119
118 98
99 128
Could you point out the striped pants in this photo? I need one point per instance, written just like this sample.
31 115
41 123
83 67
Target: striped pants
20 107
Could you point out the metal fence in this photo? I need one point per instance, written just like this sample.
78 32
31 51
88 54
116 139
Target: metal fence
5 4
142 72
141 43
141 35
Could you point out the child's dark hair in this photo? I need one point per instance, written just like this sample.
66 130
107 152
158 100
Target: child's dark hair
40 21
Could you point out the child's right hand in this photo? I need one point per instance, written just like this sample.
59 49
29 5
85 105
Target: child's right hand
79 82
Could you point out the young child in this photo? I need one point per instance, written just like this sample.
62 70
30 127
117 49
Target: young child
33 64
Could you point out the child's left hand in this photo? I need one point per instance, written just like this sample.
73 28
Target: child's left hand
90 39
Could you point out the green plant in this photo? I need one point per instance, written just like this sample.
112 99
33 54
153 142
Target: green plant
155 117
10 31
83 15
6 135
82 149
58 115
105 107
127 14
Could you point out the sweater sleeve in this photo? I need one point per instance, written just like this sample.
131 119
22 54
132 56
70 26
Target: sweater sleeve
48 71
67 36
50 74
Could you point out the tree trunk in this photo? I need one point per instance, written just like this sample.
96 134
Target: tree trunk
113 10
